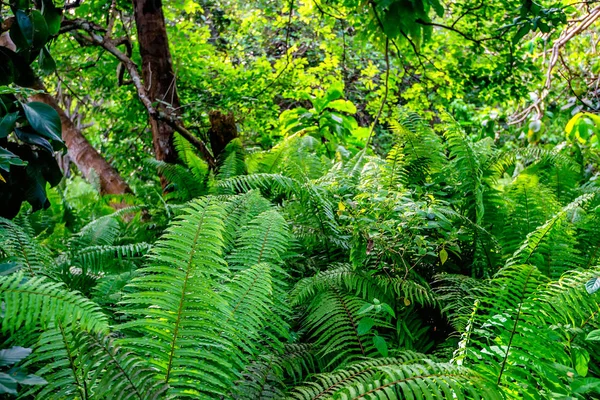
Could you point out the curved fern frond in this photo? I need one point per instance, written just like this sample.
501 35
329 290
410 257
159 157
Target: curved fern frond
102 231
408 376
332 319
264 239
344 277
523 333
233 161
31 303
92 366
21 251
250 299
536 238
183 185
95 258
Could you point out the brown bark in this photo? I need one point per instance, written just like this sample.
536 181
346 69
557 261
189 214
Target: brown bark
164 115
157 73
81 151
222 131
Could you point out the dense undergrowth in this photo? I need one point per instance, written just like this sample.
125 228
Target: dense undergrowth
449 268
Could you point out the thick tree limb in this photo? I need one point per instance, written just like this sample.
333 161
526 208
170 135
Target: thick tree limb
81 151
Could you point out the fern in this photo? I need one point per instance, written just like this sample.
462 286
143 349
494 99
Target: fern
21 251
521 333
410 375
30 303
179 316
532 246
332 319
84 365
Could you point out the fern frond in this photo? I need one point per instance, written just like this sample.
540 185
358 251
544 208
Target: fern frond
31 303
536 238
80 364
344 277
22 250
95 258
102 231
409 376
183 185
233 160
180 318
264 239
250 299
332 319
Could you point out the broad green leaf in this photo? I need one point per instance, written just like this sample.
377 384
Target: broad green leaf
40 29
46 62
13 355
592 285
7 384
52 16
32 138
586 385
342 106
388 309
580 358
25 26
7 124
593 336
380 345
443 256
44 119
365 325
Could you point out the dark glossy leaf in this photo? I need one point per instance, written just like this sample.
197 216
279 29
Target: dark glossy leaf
8 158
44 119
25 26
7 124
40 29
46 62
7 70
33 139
7 384
13 355
52 15
592 285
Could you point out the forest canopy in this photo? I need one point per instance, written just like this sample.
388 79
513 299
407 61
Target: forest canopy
299 199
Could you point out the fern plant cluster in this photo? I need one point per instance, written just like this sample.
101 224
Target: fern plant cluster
447 268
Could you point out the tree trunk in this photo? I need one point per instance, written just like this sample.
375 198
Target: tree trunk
81 151
222 131
157 72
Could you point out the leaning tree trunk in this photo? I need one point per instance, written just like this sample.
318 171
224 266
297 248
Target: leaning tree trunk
85 157
157 73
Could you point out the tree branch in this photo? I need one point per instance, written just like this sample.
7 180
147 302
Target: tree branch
110 45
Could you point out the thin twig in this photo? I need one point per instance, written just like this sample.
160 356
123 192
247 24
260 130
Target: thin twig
385 94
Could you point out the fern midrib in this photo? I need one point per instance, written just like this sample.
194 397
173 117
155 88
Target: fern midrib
82 387
242 299
264 243
182 298
412 378
539 242
23 251
343 303
514 329
117 364
350 377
